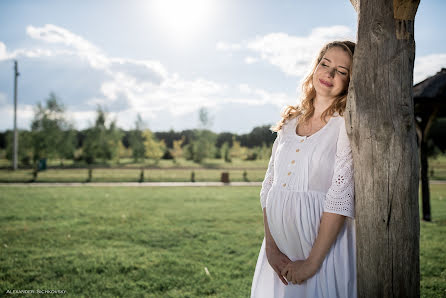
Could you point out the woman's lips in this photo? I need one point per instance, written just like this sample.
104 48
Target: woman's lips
325 83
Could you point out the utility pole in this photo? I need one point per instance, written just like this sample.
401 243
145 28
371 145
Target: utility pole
16 138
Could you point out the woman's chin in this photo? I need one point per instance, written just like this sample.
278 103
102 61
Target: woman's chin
323 92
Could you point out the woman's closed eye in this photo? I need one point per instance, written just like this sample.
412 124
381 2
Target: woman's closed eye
341 72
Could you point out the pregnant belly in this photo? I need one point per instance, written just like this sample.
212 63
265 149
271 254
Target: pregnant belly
293 220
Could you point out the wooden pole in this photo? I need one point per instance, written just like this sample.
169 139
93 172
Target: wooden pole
381 127
16 137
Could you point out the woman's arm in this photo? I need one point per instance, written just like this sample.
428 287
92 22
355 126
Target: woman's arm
331 224
275 257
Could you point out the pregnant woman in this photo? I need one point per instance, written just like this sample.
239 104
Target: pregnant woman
307 195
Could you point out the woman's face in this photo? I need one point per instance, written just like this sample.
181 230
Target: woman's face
331 76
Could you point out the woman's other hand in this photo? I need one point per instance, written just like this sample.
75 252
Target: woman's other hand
299 271
277 260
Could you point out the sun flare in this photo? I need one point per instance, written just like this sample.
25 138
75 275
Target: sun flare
183 19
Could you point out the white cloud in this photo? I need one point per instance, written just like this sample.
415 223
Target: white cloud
427 66
244 88
82 119
30 53
3 52
250 60
25 114
257 96
223 46
133 86
145 84
97 59
293 55
57 35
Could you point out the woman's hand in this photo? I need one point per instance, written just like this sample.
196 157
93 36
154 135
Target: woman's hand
299 271
275 257
277 260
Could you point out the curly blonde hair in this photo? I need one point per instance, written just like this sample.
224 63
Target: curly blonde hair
306 107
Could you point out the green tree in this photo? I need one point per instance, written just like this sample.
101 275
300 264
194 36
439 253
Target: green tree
123 152
67 148
136 140
238 151
264 151
204 118
102 140
154 149
25 151
177 151
225 152
52 135
203 145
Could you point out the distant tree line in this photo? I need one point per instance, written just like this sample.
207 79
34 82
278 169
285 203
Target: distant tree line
51 136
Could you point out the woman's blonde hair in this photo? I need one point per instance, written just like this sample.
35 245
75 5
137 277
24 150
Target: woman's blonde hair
306 107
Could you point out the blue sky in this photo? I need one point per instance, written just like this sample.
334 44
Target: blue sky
165 59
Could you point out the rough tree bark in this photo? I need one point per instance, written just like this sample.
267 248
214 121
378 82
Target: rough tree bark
381 127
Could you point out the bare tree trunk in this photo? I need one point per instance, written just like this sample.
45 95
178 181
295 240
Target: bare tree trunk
381 127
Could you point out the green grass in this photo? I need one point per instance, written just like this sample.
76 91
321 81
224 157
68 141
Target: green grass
433 246
437 168
154 242
130 242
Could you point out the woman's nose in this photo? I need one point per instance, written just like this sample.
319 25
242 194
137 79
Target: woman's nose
332 72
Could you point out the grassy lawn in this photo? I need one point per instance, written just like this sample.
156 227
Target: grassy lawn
130 242
154 242
437 168
433 246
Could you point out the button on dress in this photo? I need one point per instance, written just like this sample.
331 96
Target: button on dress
307 176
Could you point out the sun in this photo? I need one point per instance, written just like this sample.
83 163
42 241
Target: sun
183 19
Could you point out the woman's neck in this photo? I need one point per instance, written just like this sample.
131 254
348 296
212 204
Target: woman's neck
321 104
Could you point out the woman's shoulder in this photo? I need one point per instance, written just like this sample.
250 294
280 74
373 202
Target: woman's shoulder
288 126
338 117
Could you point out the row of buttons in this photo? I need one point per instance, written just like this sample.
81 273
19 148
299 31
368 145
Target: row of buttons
293 161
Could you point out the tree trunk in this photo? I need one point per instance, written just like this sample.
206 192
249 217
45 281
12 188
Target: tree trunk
425 194
381 127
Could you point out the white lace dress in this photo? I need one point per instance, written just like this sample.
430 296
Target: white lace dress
307 176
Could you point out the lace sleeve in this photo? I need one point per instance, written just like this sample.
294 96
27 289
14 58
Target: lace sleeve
269 176
340 196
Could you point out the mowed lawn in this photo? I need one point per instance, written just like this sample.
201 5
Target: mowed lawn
154 241
130 242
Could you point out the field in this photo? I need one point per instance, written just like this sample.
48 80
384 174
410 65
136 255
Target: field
154 242
131 175
165 171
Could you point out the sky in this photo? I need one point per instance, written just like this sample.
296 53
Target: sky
165 59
